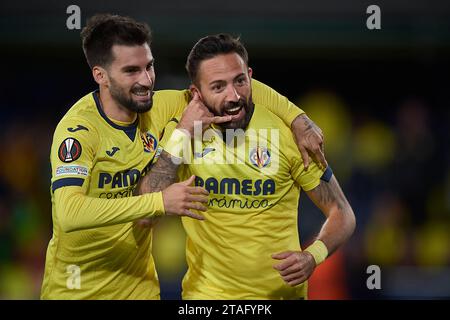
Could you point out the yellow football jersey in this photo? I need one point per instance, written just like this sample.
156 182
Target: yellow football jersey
254 184
96 251
103 160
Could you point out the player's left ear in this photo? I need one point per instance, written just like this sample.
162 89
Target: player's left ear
100 75
193 88
250 72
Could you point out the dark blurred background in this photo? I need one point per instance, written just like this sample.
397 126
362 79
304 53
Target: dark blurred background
380 96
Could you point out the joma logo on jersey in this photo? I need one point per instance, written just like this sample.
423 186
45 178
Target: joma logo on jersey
246 187
120 179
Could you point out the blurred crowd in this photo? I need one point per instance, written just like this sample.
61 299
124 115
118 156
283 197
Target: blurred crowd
396 175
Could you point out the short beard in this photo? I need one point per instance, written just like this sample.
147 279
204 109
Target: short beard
118 94
248 106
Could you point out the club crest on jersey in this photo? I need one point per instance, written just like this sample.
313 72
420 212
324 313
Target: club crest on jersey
149 142
69 150
260 157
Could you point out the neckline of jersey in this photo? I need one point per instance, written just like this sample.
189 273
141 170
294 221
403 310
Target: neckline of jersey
108 120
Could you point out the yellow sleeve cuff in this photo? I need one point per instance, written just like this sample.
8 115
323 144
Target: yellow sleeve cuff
318 250
293 113
154 204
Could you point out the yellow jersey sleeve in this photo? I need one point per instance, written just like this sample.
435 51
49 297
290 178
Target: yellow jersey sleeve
72 152
168 130
168 104
306 179
72 206
72 158
275 102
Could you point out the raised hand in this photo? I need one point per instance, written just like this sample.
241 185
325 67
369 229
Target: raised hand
197 111
309 139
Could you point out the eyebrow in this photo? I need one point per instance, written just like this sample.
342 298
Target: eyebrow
221 81
216 82
133 67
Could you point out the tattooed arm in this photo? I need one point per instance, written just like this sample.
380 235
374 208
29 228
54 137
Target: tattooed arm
296 267
162 174
309 137
154 184
162 177
340 223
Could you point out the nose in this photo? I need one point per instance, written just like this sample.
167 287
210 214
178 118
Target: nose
232 94
147 78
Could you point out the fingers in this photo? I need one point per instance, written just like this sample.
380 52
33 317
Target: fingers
291 271
192 215
305 156
181 197
321 157
294 268
286 263
196 198
310 139
194 190
189 181
195 96
197 190
281 255
295 282
196 206
218 119
293 276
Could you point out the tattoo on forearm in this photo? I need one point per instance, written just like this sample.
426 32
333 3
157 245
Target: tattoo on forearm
328 192
161 175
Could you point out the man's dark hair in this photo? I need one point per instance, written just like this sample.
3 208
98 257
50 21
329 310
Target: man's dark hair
211 46
102 31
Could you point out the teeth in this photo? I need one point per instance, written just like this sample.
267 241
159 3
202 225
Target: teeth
141 93
233 109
